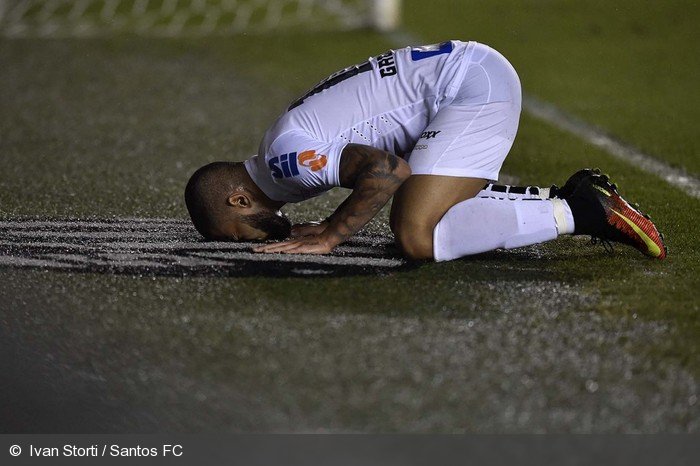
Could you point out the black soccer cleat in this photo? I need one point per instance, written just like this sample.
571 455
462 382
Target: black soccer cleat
601 212
572 183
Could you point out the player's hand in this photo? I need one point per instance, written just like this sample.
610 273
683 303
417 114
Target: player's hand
309 229
306 245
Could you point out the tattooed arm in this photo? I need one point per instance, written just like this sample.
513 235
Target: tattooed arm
373 175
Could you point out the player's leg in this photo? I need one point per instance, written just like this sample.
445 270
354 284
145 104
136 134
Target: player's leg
463 146
483 224
442 213
458 218
424 199
420 203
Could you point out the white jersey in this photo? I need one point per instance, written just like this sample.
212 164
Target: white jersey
386 103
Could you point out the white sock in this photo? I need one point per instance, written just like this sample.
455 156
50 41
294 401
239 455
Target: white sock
563 217
483 224
562 211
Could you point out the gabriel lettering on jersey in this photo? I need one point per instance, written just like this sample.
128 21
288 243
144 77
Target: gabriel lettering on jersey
385 102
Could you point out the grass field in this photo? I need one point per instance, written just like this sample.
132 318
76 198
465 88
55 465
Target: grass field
554 338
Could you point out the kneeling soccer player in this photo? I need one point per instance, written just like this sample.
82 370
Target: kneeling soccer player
429 125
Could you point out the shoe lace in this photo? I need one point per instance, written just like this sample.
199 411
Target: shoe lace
607 244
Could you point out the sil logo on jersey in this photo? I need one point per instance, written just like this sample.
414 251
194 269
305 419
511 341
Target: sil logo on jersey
287 165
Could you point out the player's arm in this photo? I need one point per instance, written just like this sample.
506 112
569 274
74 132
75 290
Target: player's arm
314 228
374 176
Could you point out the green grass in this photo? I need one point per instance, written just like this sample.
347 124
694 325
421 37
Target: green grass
555 338
629 67
116 127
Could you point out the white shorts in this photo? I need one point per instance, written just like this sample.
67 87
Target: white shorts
472 135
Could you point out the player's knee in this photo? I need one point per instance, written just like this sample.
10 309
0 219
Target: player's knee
415 240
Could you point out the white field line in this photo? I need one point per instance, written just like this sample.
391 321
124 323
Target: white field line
156 243
117 223
304 258
134 227
558 118
30 262
595 136
129 246
173 233
185 246
91 235
128 228
206 258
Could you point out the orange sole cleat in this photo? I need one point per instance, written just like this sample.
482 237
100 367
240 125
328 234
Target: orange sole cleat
601 212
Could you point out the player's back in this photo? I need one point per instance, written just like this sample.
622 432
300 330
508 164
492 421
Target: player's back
385 102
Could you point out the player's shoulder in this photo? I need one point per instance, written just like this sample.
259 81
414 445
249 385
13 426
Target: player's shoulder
282 137
292 165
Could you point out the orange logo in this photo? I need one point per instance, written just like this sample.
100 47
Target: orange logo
312 160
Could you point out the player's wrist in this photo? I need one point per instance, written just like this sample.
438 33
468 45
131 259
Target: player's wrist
330 238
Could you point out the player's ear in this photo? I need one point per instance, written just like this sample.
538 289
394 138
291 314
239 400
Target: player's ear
239 200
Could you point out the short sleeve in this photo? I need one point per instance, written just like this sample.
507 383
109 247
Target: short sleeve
295 166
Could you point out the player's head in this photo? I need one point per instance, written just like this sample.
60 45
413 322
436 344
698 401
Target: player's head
225 204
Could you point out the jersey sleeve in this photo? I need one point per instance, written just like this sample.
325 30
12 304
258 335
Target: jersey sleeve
298 166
